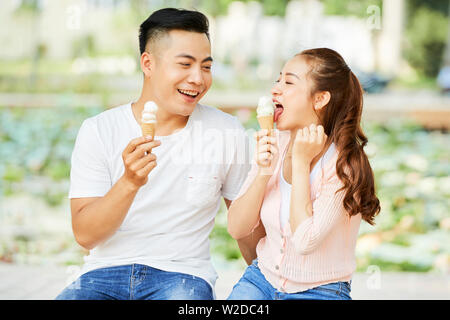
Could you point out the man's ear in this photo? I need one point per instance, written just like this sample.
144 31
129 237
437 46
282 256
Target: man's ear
321 99
147 63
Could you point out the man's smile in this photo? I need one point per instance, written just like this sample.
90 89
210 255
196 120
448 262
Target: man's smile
190 93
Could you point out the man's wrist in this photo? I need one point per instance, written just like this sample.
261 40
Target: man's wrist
128 185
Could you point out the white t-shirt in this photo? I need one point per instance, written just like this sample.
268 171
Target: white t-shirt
286 188
170 220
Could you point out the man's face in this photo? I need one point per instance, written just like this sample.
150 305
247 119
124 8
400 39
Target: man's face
181 72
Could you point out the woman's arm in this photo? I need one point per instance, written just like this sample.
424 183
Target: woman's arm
328 210
301 206
310 223
247 245
309 143
243 214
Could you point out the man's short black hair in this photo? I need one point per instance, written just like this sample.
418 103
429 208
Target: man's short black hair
165 20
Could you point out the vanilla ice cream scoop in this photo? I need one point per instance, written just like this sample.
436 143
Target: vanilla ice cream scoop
265 107
264 113
148 119
149 112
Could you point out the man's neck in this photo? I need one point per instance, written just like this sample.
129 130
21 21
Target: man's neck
166 123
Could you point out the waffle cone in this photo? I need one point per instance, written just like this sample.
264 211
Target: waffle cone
266 122
148 129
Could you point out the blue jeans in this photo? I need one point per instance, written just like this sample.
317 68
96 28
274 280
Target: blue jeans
254 286
136 281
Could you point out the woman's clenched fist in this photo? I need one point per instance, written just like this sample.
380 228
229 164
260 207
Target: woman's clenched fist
309 142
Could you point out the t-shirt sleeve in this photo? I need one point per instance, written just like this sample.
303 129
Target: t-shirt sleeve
239 165
89 173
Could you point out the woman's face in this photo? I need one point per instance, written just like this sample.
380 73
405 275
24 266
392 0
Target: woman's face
291 95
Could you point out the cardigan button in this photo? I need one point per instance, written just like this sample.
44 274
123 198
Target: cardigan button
277 267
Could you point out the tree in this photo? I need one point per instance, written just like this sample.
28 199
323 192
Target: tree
426 37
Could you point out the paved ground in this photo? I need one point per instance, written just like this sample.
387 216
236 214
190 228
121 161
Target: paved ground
28 282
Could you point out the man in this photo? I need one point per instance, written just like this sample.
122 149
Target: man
145 207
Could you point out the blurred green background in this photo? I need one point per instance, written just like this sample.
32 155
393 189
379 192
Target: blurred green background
64 61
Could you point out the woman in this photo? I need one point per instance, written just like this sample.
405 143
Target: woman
310 186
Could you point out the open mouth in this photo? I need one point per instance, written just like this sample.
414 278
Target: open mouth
189 93
278 111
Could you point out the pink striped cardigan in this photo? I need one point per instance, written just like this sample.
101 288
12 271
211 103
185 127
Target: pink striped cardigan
322 249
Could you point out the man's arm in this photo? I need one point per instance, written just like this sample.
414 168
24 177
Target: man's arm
247 245
96 219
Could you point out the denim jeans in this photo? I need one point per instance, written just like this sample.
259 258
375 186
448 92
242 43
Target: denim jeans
136 281
254 286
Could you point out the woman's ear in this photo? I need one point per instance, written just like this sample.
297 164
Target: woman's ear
147 63
321 99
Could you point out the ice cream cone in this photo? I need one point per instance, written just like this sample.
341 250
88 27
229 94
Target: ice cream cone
266 122
264 113
148 120
148 129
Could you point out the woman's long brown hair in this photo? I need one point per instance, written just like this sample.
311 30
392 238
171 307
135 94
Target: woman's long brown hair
341 120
